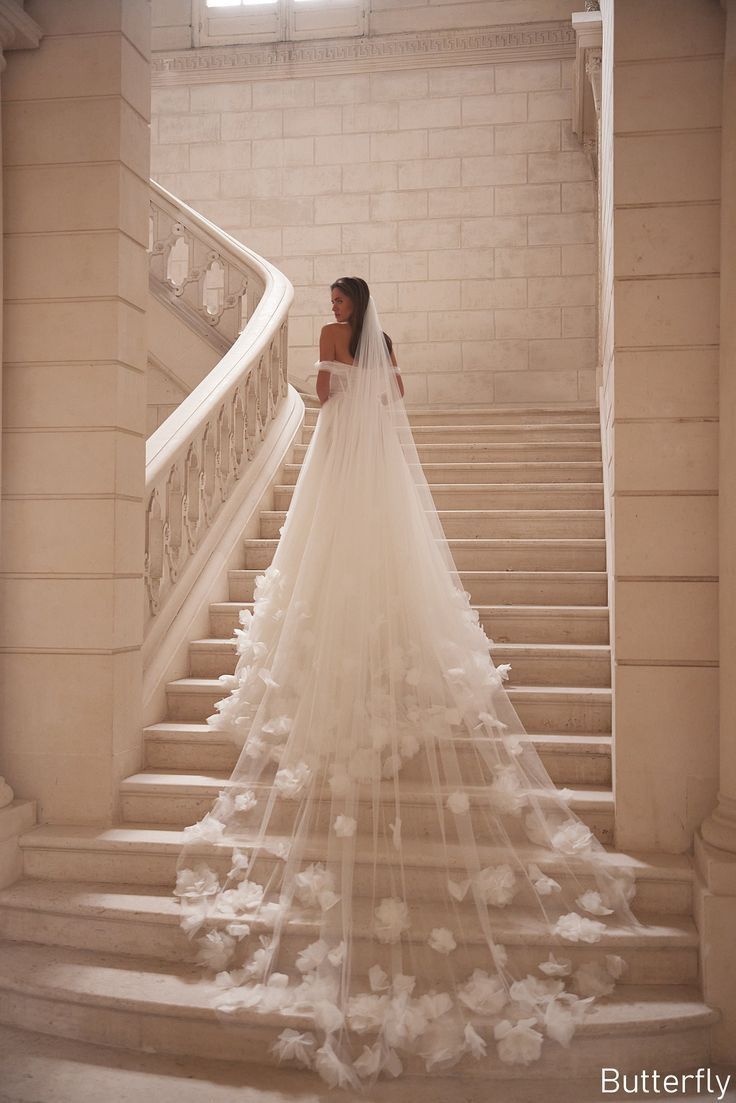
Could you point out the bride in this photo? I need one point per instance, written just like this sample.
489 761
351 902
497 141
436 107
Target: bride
384 874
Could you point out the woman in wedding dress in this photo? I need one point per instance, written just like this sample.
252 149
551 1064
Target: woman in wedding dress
384 873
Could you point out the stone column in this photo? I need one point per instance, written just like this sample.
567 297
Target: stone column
76 149
715 845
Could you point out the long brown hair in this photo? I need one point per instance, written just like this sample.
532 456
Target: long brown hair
358 292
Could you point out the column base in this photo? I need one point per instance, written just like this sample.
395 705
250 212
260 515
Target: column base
715 918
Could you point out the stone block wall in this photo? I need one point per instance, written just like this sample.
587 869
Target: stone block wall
457 190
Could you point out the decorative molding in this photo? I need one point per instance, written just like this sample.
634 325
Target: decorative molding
17 30
513 42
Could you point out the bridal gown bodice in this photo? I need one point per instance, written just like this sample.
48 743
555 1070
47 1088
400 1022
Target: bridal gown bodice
383 868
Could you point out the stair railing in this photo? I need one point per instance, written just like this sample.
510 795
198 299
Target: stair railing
197 456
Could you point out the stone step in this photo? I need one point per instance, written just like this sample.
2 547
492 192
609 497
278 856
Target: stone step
485 554
540 708
493 473
491 415
490 434
493 587
531 664
506 496
466 524
573 624
549 452
147 855
156 797
94 997
180 745
144 922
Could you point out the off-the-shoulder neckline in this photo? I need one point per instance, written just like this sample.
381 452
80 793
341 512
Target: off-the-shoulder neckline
339 362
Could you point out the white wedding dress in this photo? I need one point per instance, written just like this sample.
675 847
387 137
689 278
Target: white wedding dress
388 813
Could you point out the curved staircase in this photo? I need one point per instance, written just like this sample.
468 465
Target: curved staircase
91 946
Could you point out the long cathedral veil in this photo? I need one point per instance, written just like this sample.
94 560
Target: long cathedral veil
383 874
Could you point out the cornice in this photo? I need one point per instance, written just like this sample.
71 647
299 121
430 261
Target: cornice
513 42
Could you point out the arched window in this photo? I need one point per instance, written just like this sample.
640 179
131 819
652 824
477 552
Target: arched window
225 22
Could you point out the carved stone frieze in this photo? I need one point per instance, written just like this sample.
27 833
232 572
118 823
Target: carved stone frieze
450 47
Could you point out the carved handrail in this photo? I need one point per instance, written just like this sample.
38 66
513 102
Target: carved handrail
198 454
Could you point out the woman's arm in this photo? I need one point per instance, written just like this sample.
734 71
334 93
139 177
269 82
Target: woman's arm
326 352
397 373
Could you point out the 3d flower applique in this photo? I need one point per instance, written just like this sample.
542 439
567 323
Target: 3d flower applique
277 725
442 940
391 919
458 802
532 991
489 721
334 1071
505 793
592 979
294 1045
391 766
572 838
577 928
290 782
543 884
615 965
497 885
247 896
238 931
208 830
195 883
337 955
227 979
255 747
377 979
458 889
194 919
518 1043
266 677
366 1012
312 956
591 902
562 1016
244 802
315 887
475 1042
215 950
434 1005
554 968
345 826
374 1059
483 993
278 848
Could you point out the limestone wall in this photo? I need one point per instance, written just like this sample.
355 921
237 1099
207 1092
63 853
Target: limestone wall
455 187
662 403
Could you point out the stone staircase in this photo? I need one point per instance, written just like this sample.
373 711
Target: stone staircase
91 948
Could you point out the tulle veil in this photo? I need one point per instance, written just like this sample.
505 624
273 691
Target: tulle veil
383 874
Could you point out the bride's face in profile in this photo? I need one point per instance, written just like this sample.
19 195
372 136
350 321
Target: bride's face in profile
342 306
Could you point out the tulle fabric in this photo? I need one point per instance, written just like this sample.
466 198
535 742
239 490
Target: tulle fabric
384 874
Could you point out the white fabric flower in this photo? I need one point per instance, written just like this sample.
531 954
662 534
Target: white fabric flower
192 884
373 1060
265 675
483 993
208 830
505 792
337 956
277 725
255 747
291 1045
475 1043
442 940
403 984
279 849
392 918
245 801
333 1071
592 979
592 902
554 968
238 931
615 965
345 826
576 928
315 887
245 897
496 884
290 782
572 838
518 1043
559 1022
377 978
458 889
312 956
533 991
215 950
458 802
435 1004
328 1016
542 883
366 1012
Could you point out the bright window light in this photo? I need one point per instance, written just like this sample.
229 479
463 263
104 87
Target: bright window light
240 3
